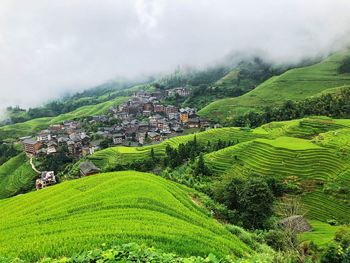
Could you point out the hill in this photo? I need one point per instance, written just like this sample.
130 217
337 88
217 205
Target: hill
30 127
317 168
108 158
295 84
16 176
112 208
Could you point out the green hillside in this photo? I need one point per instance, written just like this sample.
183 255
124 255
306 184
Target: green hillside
108 158
295 84
111 208
16 176
318 169
30 127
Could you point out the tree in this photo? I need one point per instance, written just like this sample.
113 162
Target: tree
256 202
201 168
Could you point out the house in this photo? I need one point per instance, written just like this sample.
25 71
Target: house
44 136
155 137
158 108
51 148
31 146
193 123
46 178
88 168
118 138
181 91
148 106
204 122
184 116
170 109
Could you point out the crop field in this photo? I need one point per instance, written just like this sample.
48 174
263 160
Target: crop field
109 157
30 127
321 234
16 176
295 84
305 128
111 208
282 157
323 177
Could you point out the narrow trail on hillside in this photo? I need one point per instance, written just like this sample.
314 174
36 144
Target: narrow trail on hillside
33 166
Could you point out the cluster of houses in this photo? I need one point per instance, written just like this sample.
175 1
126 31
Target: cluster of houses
143 119
68 134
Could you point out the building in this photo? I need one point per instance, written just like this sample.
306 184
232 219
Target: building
31 146
118 138
193 123
44 136
46 178
88 168
170 109
158 108
184 116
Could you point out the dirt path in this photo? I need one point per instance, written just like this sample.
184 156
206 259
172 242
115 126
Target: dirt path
33 166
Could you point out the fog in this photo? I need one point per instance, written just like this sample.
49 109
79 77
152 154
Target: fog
49 48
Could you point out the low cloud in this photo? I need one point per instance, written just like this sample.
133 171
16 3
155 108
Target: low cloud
48 48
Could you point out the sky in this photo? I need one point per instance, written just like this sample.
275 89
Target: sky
49 48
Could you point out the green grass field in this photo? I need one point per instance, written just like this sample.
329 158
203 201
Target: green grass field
295 84
111 208
16 176
109 157
32 126
322 233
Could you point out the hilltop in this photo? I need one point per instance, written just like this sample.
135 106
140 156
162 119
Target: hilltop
112 208
295 84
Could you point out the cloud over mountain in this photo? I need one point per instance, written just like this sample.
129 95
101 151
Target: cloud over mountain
50 47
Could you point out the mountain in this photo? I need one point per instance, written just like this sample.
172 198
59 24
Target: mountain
295 84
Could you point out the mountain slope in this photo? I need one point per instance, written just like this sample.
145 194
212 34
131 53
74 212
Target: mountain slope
295 84
317 168
111 208
29 127
16 176
108 158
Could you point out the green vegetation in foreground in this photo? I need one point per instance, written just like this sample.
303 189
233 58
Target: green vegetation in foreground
16 176
295 84
112 208
107 159
30 127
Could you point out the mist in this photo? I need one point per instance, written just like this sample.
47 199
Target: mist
49 48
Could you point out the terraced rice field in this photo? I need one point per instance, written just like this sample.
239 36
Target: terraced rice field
305 128
295 84
321 234
108 158
111 208
281 157
16 176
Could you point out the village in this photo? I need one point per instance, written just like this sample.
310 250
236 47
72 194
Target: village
142 120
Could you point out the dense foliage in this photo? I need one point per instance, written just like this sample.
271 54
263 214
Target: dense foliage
250 198
7 151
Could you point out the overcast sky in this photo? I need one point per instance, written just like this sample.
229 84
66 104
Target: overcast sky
50 47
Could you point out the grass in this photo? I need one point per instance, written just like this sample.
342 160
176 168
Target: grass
111 208
32 126
108 158
16 176
322 233
295 84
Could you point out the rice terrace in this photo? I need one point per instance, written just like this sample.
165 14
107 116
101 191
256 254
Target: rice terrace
174 131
